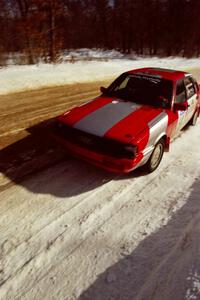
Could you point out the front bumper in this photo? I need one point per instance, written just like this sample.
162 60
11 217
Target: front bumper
108 163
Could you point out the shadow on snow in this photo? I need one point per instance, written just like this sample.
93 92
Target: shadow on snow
60 174
163 265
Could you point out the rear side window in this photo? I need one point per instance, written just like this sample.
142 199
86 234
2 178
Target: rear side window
180 92
190 87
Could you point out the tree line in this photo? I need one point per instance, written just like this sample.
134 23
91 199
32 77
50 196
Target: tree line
40 29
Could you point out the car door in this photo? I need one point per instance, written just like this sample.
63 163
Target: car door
180 97
191 95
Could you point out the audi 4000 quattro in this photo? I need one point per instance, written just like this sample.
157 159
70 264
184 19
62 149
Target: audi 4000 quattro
133 121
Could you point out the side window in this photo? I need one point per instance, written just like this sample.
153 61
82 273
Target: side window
123 84
195 84
180 92
190 87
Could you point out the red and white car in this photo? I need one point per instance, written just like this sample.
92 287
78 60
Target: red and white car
133 121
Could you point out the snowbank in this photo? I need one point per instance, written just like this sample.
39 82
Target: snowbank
94 53
18 78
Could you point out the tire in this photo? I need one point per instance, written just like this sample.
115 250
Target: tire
155 157
193 120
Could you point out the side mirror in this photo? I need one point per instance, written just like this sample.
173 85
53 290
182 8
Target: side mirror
181 106
103 89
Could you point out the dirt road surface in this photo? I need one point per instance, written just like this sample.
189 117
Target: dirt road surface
71 231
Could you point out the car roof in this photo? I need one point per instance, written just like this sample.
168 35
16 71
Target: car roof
169 74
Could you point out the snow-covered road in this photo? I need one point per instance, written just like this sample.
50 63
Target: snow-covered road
73 232
28 77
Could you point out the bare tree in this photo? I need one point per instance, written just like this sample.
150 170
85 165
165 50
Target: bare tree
42 28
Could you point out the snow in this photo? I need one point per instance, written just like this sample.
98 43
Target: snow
27 77
75 232
86 53
193 292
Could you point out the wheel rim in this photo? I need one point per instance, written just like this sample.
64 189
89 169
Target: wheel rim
156 156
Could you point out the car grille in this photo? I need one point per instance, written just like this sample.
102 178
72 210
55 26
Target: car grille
94 143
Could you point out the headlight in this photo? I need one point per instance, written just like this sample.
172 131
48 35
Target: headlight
130 151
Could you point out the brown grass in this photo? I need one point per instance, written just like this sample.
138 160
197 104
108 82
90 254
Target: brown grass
19 111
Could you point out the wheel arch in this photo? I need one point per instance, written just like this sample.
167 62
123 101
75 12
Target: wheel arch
166 140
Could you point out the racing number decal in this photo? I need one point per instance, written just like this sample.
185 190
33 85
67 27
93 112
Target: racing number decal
192 105
191 96
181 120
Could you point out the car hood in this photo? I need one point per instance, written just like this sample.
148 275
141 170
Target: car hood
111 117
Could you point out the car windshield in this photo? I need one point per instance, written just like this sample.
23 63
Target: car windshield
142 88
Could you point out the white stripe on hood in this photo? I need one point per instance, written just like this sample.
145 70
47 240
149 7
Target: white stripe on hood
104 118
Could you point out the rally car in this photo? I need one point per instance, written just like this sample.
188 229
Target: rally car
133 121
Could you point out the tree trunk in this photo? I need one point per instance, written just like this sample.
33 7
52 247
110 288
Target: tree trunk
52 51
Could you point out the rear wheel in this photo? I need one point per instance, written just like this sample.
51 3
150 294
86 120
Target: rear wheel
155 157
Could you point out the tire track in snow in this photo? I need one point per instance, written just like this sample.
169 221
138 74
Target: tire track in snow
124 207
52 210
105 209
145 211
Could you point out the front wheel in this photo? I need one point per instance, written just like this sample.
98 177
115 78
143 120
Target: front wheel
155 157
